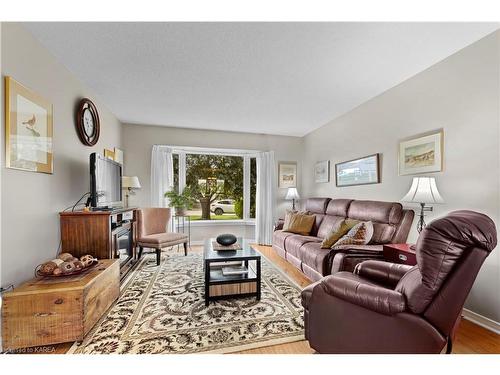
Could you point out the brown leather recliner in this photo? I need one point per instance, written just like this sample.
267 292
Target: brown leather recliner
390 308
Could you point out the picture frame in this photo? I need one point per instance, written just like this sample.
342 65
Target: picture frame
109 154
421 154
287 174
29 129
360 171
322 171
118 155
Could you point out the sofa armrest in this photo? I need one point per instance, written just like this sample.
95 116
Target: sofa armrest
347 261
360 249
382 272
355 291
279 224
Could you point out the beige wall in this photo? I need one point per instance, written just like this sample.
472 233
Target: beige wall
31 201
139 140
460 95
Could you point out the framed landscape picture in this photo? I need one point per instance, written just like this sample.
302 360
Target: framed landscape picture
322 171
287 174
28 129
422 154
360 171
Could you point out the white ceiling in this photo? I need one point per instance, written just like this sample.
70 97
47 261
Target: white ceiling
273 78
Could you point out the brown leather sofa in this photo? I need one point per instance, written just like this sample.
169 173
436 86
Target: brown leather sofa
389 308
390 221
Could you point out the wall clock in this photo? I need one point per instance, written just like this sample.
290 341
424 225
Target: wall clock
87 122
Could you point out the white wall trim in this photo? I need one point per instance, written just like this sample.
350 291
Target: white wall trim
209 223
482 321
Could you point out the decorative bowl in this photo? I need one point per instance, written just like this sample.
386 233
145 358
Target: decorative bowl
226 239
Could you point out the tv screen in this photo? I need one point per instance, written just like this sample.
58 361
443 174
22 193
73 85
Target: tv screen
105 182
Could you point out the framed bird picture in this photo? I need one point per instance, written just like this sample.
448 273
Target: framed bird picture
28 129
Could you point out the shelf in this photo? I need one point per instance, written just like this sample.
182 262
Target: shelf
216 277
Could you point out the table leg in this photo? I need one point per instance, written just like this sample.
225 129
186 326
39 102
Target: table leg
207 279
258 279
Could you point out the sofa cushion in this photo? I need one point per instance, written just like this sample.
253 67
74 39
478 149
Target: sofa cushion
295 242
338 207
279 238
380 212
317 205
315 257
297 222
383 233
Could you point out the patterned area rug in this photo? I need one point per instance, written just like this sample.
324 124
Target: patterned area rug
162 310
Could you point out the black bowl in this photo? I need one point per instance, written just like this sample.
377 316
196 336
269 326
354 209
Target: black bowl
226 239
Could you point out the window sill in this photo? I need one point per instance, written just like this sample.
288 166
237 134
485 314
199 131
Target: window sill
207 223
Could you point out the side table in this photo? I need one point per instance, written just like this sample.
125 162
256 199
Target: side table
400 253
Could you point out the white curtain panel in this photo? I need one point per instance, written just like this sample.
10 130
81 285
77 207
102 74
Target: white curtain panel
162 175
266 185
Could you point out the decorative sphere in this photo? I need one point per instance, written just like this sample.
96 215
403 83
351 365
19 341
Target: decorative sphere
226 239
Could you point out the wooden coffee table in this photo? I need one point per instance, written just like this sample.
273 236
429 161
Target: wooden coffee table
220 286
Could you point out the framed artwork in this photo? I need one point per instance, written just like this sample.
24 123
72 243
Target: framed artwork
287 174
322 171
423 154
109 154
28 129
362 171
118 155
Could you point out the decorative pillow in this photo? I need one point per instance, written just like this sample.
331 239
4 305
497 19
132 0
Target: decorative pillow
298 222
289 214
360 234
339 230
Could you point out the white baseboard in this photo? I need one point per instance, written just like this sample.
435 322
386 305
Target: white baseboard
482 321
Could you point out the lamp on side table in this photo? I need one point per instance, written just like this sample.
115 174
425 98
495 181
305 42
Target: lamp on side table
424 191
291 195
130 183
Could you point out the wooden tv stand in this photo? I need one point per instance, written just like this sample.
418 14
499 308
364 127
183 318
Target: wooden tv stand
103 234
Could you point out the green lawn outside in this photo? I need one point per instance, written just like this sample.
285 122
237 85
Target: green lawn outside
216 217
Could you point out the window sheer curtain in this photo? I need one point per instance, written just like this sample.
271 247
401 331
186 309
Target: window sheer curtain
266 185
162 174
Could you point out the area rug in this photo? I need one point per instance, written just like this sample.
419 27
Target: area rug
161 309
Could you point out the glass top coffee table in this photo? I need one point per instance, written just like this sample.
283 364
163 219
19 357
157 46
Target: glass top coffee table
231 273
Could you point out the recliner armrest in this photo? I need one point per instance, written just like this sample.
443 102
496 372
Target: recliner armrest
382 272
355 291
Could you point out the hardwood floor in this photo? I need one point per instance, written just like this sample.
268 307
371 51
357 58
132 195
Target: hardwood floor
470 339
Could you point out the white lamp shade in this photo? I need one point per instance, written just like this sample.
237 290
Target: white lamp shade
423 190
292 193
131 182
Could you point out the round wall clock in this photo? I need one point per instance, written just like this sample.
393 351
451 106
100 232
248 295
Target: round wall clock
87 122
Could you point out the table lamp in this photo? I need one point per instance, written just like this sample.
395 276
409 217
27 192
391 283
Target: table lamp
424 191
130 183
292 194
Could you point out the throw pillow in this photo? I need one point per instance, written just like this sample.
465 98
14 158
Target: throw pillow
299 223
360 234
339 230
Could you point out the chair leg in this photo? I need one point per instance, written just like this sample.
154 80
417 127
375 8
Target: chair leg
158 255
140 252
185 249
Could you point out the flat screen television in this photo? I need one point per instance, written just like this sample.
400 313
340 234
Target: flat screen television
105 182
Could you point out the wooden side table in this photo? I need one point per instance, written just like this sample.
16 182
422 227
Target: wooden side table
399 253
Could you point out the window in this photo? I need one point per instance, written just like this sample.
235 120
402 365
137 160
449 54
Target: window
222 186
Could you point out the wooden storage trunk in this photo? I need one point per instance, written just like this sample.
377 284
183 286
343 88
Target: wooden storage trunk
52 310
